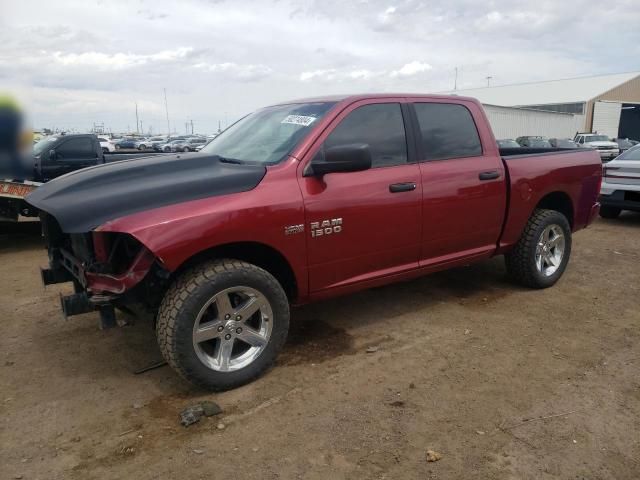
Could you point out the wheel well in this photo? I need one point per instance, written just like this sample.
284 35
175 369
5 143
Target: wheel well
560 202
258 254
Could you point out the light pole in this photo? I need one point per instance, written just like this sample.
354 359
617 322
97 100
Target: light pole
166 108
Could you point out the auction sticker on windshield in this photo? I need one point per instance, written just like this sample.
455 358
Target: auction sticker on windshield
299 120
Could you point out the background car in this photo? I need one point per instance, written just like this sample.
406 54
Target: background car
507 143
106 144
200 147
126 143
173 145
562 143
533 141
607 149
191 144
147 143
625 143
621 184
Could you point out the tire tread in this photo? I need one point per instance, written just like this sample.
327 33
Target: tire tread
518 260
175 298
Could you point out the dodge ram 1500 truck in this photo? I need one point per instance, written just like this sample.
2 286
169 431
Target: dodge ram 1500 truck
303 201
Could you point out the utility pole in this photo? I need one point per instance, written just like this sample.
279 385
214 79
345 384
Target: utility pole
137 121
489 81
192 127
455 81
166 108
219 129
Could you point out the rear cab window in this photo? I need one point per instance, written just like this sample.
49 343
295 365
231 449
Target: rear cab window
446 130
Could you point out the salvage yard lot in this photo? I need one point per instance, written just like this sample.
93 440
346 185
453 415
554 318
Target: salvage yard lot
461 362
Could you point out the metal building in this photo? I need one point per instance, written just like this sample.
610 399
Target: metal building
608 104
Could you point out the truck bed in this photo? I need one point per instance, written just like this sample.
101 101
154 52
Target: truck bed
573 175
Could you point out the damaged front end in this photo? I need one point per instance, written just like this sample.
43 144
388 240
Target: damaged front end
107 269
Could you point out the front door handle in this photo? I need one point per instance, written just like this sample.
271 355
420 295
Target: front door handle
489 175
402 187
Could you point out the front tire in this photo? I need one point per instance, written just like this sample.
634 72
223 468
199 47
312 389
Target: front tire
221 324
610 212
541 255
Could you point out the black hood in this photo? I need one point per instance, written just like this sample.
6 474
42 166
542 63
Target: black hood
81 201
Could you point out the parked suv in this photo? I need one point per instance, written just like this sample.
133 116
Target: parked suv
607 149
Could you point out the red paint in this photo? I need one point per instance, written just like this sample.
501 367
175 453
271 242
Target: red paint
101 283
450 219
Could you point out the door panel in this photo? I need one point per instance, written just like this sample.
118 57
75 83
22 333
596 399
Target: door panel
462 215
464 186
372 218
380 230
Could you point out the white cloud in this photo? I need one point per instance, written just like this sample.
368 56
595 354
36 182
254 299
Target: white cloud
326 74
221 56
410 69
242 72
117 61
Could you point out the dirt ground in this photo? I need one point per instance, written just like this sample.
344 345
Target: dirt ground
504 382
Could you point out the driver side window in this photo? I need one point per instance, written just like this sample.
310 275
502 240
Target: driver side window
380 126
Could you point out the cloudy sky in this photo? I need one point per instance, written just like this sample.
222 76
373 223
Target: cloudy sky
76 62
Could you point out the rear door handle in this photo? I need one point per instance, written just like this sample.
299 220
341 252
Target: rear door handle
402 187
489 175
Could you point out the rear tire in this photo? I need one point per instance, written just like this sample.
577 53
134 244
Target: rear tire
201 332
541 255
610 212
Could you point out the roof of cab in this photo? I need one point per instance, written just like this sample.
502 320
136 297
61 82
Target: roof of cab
366 96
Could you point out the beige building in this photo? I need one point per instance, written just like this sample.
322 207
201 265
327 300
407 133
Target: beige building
608 104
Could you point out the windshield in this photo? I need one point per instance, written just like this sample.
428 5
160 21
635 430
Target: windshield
43 145
631 154
508 144
597 138
268 135
565 144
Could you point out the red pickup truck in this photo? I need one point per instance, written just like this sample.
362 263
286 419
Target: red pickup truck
303 201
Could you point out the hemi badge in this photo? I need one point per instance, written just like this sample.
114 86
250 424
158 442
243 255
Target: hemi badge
292 229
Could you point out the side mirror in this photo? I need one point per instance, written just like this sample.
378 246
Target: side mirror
52 155
342 158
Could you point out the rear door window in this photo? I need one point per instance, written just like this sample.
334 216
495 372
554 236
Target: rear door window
447 130
380 126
